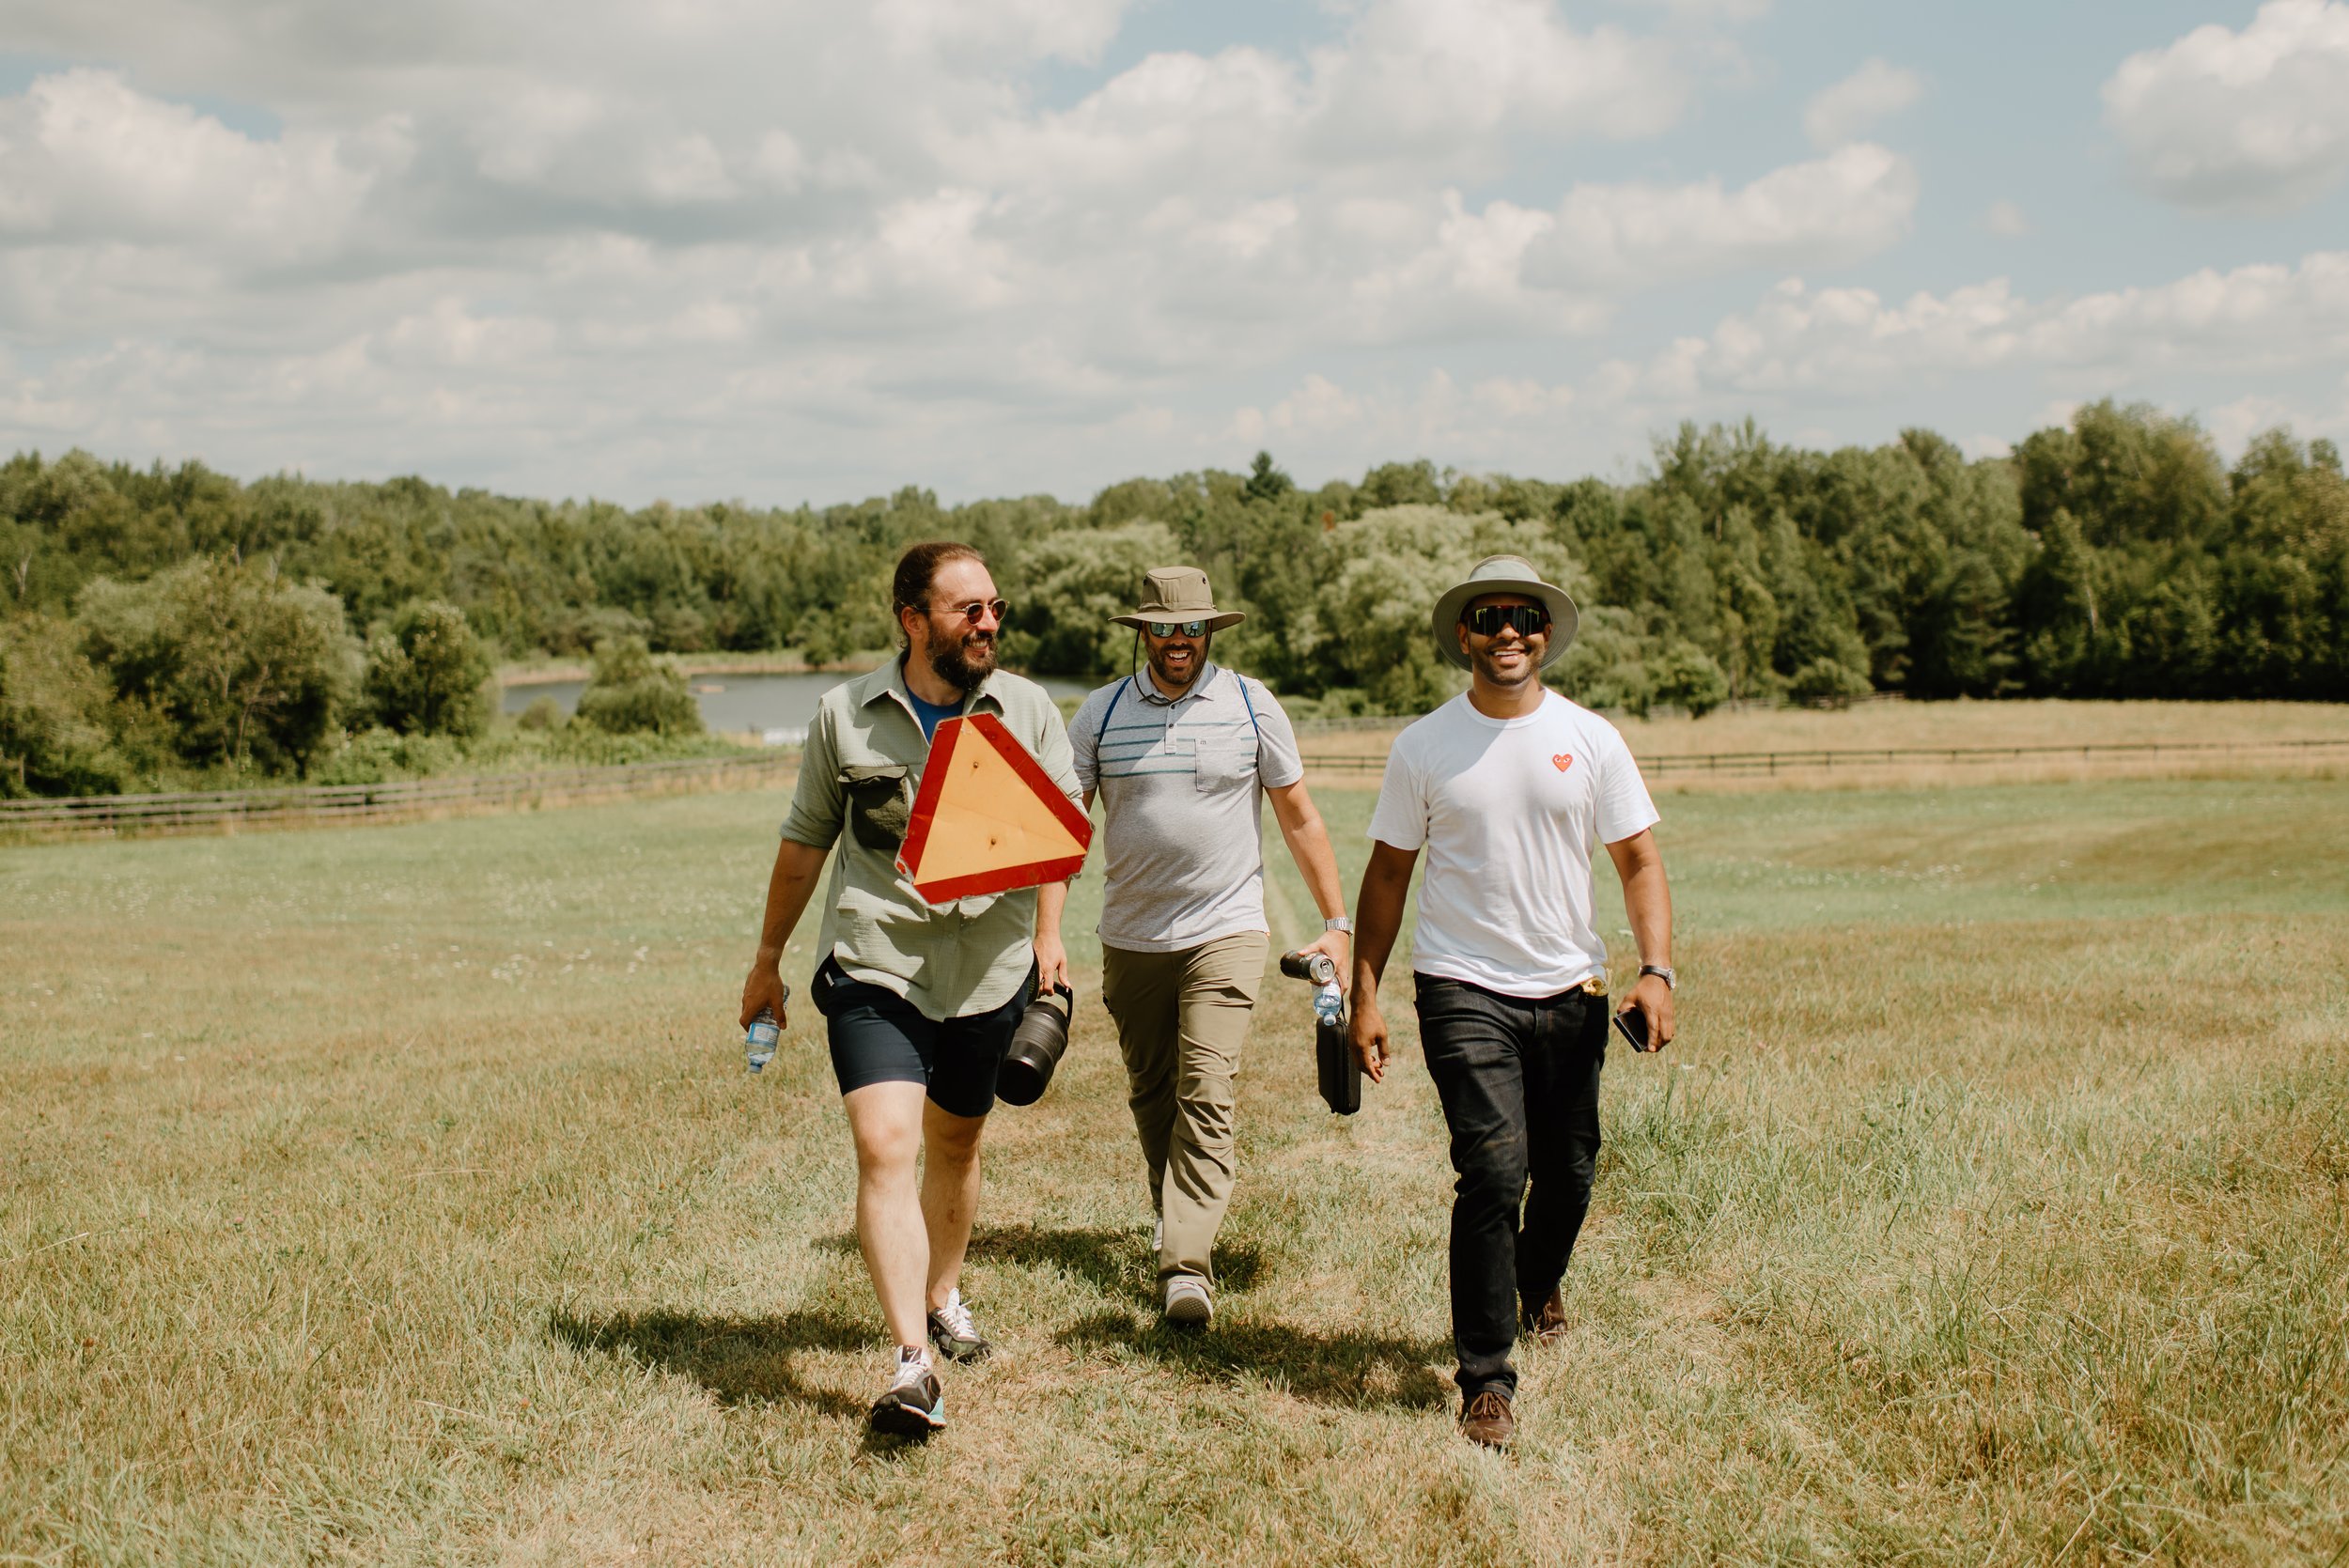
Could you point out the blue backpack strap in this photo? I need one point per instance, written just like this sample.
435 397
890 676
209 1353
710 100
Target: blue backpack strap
1248 703
1102 734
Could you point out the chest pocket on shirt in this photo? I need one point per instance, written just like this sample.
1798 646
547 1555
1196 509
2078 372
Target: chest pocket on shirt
1225 765
880 806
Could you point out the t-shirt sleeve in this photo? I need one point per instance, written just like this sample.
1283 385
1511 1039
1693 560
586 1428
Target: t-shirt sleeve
1085 739
819 804
1623 806
1400 818
1279 764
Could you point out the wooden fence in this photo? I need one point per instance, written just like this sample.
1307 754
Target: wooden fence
1752 763
227 809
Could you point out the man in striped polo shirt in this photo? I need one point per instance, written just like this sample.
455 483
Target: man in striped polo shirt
1178 752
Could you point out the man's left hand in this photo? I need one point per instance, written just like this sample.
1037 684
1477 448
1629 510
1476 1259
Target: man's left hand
1653 998
1051 963
1340 948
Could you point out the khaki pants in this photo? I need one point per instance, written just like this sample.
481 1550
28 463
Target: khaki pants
1181 1018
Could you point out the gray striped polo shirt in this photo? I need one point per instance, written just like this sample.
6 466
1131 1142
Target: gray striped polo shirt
1182 845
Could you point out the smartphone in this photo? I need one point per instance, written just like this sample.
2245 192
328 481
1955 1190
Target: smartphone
1633 1025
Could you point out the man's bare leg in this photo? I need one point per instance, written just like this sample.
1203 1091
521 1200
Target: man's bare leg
886 1121
950 1194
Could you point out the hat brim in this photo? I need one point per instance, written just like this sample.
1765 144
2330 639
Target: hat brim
1563 619
1216 619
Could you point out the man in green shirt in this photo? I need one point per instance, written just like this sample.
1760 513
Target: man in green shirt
918 1001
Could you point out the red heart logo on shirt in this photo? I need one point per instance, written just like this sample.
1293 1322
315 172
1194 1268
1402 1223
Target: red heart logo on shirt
1565 760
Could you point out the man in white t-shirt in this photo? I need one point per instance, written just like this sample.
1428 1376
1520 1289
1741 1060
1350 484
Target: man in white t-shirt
1505 786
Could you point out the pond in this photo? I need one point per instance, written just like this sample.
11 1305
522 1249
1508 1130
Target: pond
774 707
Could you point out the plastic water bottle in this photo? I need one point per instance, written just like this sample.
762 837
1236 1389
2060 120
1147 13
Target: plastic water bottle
1328 1004
758 1045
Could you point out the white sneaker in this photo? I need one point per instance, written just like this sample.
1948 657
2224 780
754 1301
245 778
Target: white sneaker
953 1335
1188 1301
914 1406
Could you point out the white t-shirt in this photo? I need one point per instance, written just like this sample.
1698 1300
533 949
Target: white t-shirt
1506 810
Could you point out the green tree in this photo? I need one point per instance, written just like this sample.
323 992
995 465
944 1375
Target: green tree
427 674
628 691
1071 584
1686 677
252 670
1266 482
56 734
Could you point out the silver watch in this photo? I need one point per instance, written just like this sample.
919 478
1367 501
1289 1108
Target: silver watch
1662 972
1338 922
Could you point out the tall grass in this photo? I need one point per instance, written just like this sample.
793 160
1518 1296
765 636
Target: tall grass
396 1194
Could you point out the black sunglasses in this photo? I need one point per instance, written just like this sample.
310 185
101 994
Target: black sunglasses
1168 629
1486 620
1000 608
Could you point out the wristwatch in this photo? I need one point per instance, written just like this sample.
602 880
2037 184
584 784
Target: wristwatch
1662 972
1338 922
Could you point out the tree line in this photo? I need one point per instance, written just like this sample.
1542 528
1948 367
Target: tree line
168 623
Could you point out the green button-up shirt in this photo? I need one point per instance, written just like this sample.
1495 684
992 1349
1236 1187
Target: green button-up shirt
860 770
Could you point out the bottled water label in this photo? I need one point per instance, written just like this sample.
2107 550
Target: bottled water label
758 1045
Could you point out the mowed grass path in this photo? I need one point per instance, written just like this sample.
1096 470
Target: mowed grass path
398 1194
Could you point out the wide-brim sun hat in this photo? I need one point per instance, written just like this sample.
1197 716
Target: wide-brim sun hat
1505 574
1178 594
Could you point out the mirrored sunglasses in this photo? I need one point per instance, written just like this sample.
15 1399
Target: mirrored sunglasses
1168 629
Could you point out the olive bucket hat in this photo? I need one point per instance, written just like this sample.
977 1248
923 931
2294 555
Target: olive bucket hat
1505 574
1178 594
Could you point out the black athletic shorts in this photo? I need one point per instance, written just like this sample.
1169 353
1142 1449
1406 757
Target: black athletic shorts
878 1036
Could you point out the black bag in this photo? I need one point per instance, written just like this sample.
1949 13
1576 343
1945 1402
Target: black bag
1036 1048
1340 1070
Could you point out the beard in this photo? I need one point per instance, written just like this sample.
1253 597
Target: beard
1172 680
964 663
1528 668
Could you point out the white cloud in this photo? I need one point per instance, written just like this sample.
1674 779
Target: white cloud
2254 119
1850 342
84 157
781 248
1873 92
1851 203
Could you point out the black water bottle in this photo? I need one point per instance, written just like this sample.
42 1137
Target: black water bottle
1037 1046
1334 1063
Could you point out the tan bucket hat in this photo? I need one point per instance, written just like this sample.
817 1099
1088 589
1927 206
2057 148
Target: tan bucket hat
1505 574
1178 594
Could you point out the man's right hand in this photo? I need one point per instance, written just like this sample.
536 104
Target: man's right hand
1367 1033
764 988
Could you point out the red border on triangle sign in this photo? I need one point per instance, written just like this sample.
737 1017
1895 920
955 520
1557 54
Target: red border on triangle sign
987 728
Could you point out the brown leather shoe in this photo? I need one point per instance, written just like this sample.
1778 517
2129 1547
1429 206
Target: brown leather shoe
1547 1322
1489 1420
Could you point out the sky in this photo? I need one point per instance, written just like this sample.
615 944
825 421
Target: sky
778 251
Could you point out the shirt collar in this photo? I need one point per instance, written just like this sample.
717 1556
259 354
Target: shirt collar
890 681
1198 688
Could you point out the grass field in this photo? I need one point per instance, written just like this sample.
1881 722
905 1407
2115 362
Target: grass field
398 1194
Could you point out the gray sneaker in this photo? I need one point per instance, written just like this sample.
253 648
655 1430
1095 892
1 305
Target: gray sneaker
953 1335
915 1406
1188 1302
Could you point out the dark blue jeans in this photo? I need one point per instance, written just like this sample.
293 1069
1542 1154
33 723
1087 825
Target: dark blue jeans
1518 1078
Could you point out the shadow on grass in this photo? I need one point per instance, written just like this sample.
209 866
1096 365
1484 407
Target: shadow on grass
741 1361
1361 1371
1116 1263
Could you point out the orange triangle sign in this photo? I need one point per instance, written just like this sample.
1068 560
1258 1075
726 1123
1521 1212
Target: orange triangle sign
988 819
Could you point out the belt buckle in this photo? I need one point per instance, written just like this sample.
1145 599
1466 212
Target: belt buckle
1595 987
